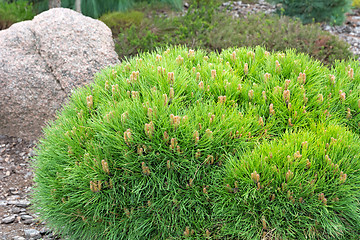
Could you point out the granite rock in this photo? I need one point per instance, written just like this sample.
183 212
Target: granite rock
42 60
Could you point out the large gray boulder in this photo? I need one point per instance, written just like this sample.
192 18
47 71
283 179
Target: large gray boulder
42 60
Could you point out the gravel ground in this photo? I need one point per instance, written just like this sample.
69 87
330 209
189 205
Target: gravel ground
17 221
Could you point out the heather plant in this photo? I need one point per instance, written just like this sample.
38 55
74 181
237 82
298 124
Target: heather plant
184 144
330 11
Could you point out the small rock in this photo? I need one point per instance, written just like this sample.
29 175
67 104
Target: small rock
327 28
13 198
347 29
25 217
20 203
7 173
357 29
12 169
186 5
28 174
23 203
18 238
45 231
32 233
16 210
3 203
28 221
9 219
236 15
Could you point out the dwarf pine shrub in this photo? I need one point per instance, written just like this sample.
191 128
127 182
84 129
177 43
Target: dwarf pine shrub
178 144
285 189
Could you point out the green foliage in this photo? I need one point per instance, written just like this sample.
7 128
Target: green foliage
278 34
13 12
122 20
301 176
191 30
176 144
134 41
356 3
96 8
330 11
204 27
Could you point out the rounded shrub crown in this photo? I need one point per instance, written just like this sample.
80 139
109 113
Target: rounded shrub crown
177 144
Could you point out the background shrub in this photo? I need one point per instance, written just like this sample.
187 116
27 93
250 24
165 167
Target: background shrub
119 21
206 28
12 12
330 11
356 3
166 145
190 29
278 34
